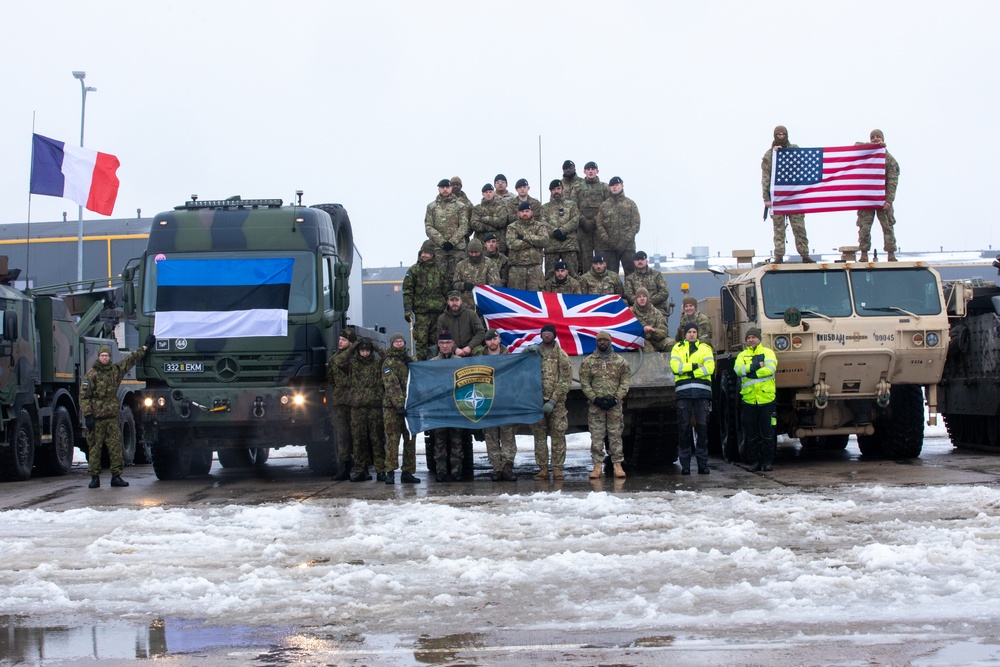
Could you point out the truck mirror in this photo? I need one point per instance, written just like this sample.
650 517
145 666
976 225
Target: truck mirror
9 319
793 317
751 302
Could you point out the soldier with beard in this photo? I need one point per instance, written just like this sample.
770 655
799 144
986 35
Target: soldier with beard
462 324
447 225
394 379
491 250
425 287
617 226
557 375
526 239
604 379
562 282
501 447
560 217
599 280
491 217
474 270
456 190
571 182
797 220
589 196
339 377
654 324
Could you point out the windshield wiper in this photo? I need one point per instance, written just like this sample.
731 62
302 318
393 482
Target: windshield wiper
813 312
890 309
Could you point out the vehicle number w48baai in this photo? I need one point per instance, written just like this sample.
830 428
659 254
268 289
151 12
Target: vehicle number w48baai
184 367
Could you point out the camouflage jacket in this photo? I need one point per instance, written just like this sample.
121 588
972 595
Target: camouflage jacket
604 283
425 288
655 284
513 203
569 286
571 187
605 376
704 326
483 351
503 266
561 214
466 327
765 171
617 223
588 197
366 378
651 317
477 272
99 394
394 377
447 219
338 374
557 373
529 250
491 216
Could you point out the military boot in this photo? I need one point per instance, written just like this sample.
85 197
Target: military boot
390 477
409 478
95 481
619 471
891 257
864 257
542 474
380 476
496 476
597 472
508 472
806 259
116 480
345 472
557 473
778 259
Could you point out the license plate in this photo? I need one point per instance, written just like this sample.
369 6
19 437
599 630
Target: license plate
184 367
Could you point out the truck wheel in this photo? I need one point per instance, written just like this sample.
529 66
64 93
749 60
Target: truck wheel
58 459
126 420
262 454
249 457
730 431
170 462
201 461
899 430
18 457
825 443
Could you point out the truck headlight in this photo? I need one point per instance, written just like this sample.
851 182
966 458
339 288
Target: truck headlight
932 339
781 343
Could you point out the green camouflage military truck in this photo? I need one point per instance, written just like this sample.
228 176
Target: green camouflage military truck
49 338
241 396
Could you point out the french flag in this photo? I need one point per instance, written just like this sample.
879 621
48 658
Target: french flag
85 176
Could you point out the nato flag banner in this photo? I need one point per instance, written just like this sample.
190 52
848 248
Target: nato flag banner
474 392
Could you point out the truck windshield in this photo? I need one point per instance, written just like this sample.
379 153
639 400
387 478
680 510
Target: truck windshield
302 296
895 291
815 293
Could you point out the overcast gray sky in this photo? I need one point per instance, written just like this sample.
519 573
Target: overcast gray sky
370 103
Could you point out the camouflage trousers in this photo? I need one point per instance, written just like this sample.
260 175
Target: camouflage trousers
424 334
448 449
500 445
555 425
585 240
798 224
886 218
620 258
448 260
340 420
368 436
571 257
395 428
528 278
106 433
606 423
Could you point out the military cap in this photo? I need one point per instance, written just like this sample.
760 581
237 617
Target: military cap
520 182
615 180
365 344
491 334
569 163
488 186
556 183
396 336
549 327
598 258
444 183
427 246
689 299
445 335
454 294
489 236
349 334
689 326
590 165
103 350
456 180
560 265
524 206
641 254
752 331
876 133
499 177
604 335
475 245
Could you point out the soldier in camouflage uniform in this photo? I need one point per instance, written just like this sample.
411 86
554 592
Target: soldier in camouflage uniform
491 249
797 220
571 182
599 280
604 379
589 196
491 216
501 448
617 226
503 194
474 270
691 315
562 282
522 195
526 239
560 217
654 324
102 409
462 323
447 225
364 363
425 287
886 216
456 190
394 378
557 374
447 441
339 377
653 281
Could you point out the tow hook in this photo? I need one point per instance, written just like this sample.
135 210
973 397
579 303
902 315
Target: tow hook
258 407
822 390
883 389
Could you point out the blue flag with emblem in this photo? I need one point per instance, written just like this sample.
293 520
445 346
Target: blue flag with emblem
474 392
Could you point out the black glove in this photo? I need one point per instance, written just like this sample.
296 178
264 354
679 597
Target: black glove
609 402
694 367
548 406
559 235
468 286
150 341
89 422
401 412
447 245
408 316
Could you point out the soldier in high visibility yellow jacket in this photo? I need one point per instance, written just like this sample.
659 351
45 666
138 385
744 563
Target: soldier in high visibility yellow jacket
756 366
693 364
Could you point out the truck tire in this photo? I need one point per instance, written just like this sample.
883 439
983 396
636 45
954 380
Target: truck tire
58 458
17 458
825 443
171 462
201 461
126 420
730 427
899 430
250 457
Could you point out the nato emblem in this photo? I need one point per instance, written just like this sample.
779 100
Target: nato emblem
474 391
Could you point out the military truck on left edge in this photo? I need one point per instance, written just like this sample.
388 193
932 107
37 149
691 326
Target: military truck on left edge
221 385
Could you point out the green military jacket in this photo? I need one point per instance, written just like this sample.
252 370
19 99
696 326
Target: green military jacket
394 377
425 288
617 223
603 283
99 395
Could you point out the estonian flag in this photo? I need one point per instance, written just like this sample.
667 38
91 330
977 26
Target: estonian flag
85 176
222 298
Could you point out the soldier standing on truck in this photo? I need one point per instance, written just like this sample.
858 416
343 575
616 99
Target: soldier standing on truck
526 239
886 216
562 282
561 218
339 377
654 324
690 314
652 280
557 375
796 220
425 287
501 448
394 378
447 226
599 280
693 364
102 409
590 194
474 270
491 250
491 217
604 379
756 366
617 226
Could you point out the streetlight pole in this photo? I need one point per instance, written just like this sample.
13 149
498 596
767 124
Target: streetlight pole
84 89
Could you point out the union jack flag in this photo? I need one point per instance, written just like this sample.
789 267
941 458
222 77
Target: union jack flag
518 316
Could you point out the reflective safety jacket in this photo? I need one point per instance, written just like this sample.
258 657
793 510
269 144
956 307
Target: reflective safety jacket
758 384
692 369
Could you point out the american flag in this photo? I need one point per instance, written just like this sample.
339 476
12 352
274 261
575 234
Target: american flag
815 180
518 316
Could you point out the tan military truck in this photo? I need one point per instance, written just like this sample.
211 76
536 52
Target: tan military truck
858 347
